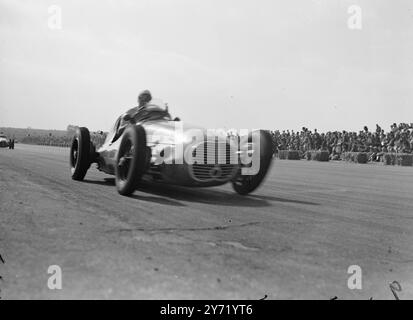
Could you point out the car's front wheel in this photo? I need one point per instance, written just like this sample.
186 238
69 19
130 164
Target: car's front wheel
131 160
245 184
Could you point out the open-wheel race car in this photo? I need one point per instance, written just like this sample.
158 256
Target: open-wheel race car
155 147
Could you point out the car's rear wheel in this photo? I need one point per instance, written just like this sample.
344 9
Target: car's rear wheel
131 160
244 184
80 154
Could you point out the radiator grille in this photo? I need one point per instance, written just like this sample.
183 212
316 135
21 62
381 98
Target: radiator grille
214 161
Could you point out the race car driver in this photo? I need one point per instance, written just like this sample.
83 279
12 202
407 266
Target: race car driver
129 116
143 98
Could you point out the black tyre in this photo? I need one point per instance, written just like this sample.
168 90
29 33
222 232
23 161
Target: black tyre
131 160
244 184
80 154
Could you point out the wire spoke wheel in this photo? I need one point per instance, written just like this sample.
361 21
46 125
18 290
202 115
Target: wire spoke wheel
244 184
124 161
130 160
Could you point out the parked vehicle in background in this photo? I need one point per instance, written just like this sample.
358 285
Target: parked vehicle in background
4 142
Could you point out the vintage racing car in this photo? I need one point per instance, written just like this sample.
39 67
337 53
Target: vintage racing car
158 148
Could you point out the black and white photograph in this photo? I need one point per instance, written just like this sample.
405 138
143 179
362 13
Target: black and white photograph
205 150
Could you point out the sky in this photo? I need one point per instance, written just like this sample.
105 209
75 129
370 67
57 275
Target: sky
218 63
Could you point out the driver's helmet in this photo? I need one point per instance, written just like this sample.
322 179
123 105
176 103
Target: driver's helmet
144 97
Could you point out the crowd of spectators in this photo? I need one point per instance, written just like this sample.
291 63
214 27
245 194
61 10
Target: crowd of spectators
399 139
62 141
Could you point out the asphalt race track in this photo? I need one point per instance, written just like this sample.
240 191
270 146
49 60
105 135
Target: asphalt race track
294 238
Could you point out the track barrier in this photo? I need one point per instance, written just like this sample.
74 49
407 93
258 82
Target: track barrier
318 155
289 155
357 157
399 159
